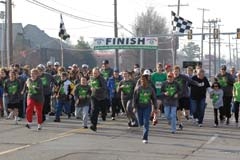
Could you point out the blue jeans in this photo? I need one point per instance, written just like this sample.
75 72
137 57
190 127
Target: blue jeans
143 118
198 109
59 107
170 114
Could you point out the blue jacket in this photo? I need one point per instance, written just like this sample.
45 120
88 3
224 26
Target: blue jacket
112 84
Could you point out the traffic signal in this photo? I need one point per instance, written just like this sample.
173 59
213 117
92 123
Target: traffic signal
238 33
216 33
189 34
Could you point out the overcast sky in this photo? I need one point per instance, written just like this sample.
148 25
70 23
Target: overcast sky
28 13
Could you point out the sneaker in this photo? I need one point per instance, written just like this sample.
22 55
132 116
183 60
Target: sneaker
28 126
39 127
227 122
180 126
215 125
51 114
113 118
173 132
69 116
93 128
57 120
199 125
103 118
85 127
144 141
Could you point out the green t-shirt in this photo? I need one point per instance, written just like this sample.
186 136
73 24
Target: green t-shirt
223 81
236 88
158 79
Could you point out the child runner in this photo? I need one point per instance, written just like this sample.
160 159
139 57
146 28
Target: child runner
217 100
82 93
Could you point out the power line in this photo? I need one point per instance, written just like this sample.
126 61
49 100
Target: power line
72 8
96 22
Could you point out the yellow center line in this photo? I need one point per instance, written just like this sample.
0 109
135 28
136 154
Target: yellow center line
14 149
61 135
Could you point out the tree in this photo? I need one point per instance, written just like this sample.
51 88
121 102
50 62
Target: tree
81 44
191 51
151 23
85 53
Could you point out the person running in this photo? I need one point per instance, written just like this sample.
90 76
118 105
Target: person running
12 89
217 101
226 81
35 98
82 93
236 98
98 97
143 98
126 90
47 81
198 96
157 79
184 100
63 97
170 91
114 96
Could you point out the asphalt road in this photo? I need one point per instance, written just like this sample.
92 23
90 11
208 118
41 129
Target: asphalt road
115 141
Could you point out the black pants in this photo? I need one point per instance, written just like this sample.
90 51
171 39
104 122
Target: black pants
116 106
96 107
227 100
236 111
46 106
216 115
20 110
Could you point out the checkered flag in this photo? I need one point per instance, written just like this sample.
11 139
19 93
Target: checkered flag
180 24
62 33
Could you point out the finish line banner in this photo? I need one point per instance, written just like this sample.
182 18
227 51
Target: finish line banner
126 43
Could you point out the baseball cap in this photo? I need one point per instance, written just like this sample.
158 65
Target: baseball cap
167 66
49 63
56 64
105 61
84 66
146 72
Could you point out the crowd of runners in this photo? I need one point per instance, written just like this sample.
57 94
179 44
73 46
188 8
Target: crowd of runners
143 95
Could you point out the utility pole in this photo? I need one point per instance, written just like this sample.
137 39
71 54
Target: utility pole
219 49
230 52
176 39
237 54
203 15
209 50
214 22
116 33
9 33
